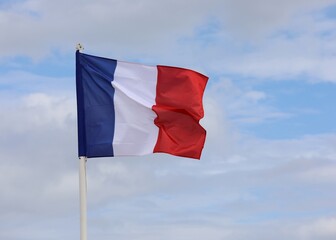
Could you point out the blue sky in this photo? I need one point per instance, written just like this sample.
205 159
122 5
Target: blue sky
269 164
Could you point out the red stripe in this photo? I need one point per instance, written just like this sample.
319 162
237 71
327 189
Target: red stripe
179 108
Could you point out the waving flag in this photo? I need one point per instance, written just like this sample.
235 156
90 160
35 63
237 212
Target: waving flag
132 109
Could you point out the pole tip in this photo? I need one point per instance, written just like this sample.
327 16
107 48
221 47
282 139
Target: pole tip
79 47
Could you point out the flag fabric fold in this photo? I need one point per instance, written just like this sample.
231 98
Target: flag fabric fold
126 109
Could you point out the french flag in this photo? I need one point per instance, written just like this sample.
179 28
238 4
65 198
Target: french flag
126 109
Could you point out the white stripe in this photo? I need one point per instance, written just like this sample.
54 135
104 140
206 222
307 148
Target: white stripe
135 89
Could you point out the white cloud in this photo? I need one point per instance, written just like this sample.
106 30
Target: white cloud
254 19
38 110
259 39
241 104
324 228
306 55
37 141
301 47
140 26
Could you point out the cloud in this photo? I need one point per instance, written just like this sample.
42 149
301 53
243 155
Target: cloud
139 25
259 39
254 19
324 228
306 54
37 140
242 104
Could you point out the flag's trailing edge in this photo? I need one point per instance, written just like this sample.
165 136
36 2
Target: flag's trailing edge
132 109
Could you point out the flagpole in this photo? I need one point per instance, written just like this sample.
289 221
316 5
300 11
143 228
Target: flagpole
82 198
82 180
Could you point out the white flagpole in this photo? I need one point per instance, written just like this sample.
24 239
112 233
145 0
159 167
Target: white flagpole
82 187
82 199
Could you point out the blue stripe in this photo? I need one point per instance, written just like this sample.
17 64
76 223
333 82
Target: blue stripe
80 109
98 118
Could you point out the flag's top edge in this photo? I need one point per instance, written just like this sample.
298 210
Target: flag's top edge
145 65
